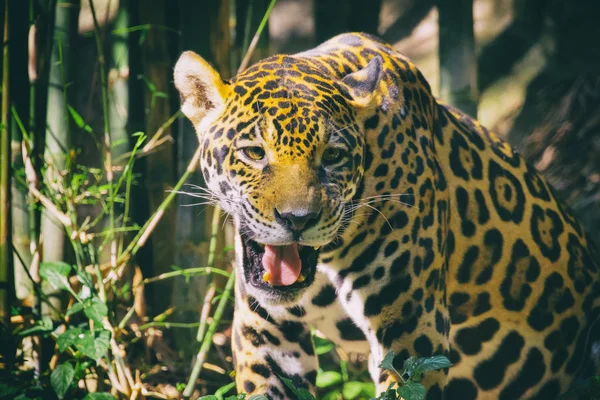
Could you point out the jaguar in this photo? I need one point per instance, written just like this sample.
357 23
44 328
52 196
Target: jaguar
369 211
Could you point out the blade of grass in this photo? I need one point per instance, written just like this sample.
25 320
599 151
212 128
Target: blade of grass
254 42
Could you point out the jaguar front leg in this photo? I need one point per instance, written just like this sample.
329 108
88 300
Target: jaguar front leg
412 336
269 343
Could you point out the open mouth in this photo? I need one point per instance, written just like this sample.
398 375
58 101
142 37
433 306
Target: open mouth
279 268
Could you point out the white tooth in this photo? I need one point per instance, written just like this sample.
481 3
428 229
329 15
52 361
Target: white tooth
267 276
301 278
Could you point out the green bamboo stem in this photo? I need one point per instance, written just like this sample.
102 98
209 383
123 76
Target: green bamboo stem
20 88
118 85
37 51
207 342
33 89
58 133
457 58
108 165
5 209
119 105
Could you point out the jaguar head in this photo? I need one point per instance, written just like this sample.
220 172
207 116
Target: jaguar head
282 151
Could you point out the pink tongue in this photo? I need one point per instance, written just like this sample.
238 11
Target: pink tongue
283 263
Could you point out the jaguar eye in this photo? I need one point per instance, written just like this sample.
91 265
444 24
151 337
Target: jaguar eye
254 153
333 155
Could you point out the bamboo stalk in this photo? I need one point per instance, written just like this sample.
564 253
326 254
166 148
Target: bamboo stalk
118 84
20 90
5 209
160 165
23 52
107 153
458 63
58 133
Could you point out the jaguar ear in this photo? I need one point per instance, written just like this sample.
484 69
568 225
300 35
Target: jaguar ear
362 85
201 88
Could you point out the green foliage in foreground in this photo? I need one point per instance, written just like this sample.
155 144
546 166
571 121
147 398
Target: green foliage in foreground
408 387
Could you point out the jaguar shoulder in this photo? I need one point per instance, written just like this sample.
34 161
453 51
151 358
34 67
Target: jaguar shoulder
388 221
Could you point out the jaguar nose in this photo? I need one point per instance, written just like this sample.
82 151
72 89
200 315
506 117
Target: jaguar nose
297 220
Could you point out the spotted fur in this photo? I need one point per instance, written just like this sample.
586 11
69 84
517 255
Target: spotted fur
438 238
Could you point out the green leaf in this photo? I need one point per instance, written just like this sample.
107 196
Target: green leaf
56 273
99 396
85 278
409 364
322 346
241 396
389 394
81 367
78 119
8 391
75 308
43 325
61 379
25 397
352 390
432 363
333 395
368 389
301 393
93 344
224 389
95 309
388 363
68 338
209 397
412 391
328 378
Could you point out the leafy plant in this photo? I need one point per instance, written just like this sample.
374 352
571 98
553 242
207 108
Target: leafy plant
342 384
408 388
